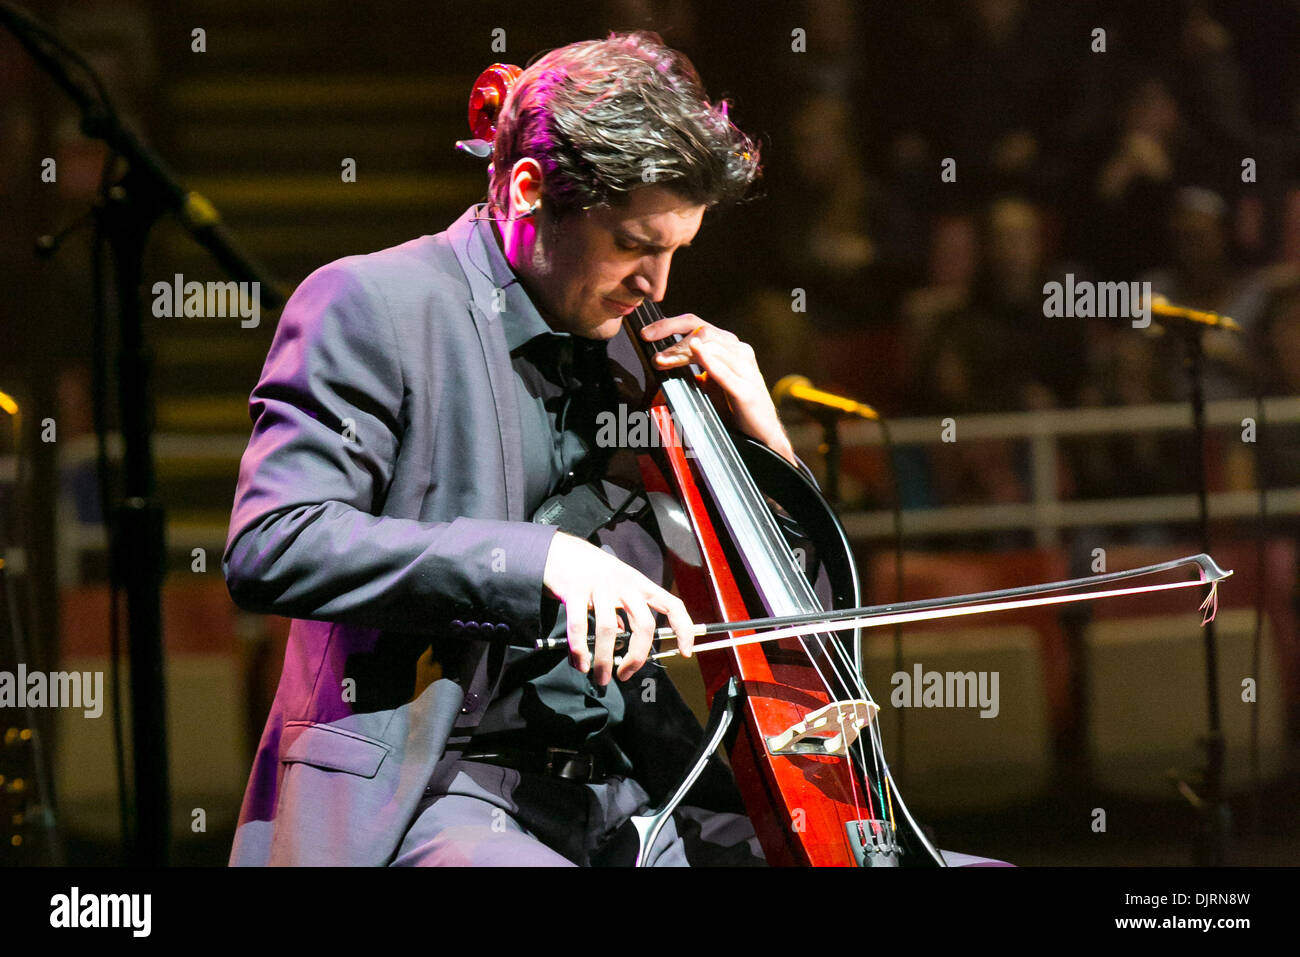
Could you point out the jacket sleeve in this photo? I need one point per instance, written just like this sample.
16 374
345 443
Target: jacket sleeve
305 538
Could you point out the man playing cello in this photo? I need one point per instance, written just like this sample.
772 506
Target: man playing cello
417 407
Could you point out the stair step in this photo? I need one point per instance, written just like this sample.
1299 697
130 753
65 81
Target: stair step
208 348
327 193
369 97
204 413
292 252
291 145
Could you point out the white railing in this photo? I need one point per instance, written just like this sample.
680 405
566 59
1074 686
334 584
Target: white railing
1045 515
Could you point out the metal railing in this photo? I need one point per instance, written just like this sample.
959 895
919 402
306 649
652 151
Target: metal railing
1045 515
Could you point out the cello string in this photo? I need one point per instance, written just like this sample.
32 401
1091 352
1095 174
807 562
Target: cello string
819 656
844 673
757 509
777 543
705 416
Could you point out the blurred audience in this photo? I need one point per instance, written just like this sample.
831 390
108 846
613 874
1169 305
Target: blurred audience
1120 165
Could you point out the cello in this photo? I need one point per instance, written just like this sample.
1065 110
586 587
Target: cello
806 751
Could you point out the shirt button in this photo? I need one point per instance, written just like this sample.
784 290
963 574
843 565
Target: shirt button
471 702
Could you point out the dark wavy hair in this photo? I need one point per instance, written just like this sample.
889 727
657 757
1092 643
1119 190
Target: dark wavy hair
606 117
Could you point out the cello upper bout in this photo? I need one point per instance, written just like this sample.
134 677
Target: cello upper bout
812 516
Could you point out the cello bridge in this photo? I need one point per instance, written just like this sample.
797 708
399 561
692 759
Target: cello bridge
830 730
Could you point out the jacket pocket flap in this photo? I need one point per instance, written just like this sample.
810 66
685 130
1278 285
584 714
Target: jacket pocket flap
334 749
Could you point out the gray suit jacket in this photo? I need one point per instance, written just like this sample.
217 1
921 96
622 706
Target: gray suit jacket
381 505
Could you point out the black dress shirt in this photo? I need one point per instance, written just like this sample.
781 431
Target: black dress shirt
562 382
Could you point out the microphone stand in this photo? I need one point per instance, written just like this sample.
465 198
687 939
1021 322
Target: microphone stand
125 214
139 547
832 449
1212 842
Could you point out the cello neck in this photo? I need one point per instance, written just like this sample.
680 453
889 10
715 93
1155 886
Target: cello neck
772 566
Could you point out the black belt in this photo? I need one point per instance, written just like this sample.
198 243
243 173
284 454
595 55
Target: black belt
578 766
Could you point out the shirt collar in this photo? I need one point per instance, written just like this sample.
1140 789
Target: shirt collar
520 320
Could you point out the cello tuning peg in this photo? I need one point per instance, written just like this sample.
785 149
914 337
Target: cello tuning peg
480 149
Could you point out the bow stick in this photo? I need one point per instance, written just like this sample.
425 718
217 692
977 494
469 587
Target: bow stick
976 603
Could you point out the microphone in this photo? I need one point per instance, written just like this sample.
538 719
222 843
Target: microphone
799 389
1164 309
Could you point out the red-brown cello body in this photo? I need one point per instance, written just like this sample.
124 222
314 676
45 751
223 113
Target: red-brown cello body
764 533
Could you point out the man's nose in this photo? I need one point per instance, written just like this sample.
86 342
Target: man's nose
651 278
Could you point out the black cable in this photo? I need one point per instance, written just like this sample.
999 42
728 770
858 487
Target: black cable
1261 589
99 403
897 511
1260 461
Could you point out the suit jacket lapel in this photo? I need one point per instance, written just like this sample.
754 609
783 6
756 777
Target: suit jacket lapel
467 245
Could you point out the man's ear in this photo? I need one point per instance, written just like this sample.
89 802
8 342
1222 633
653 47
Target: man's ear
525 187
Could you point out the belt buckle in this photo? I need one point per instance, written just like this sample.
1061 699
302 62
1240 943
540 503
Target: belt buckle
572 766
